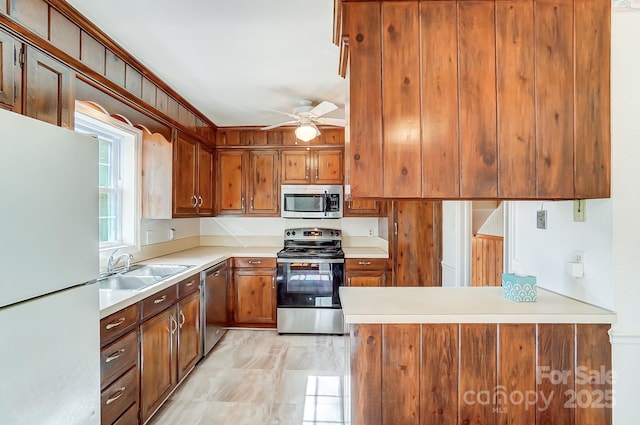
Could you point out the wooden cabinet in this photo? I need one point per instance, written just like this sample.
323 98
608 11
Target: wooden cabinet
461 99
119 378
415 245
254 292
313 166
49 90
362 207
248 182
192 178
368 272
157 167
10 73
170 342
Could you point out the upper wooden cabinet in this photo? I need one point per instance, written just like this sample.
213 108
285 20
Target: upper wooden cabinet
314 166
467 99
157 166
362 207
10 73
247 182
192 178
49 90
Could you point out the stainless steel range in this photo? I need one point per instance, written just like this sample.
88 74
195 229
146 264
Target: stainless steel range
310 272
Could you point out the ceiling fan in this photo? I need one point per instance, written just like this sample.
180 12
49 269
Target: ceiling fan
308 117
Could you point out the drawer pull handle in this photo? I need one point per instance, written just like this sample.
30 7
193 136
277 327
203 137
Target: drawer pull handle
116 395
190 283
217 273
115 355
364 263
159 300
115 324
255 262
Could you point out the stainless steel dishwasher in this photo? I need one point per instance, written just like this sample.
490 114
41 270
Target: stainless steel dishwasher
214 304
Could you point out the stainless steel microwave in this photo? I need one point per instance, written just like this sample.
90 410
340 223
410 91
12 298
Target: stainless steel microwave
311 201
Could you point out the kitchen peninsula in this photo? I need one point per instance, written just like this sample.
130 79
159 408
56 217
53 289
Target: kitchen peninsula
422 355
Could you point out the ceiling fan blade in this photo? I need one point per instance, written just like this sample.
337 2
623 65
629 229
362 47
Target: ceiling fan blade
323 107
289 114
338 122
279 125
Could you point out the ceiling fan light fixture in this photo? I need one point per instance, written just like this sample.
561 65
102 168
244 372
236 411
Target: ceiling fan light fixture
307 132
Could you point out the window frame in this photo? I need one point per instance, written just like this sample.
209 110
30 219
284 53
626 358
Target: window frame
128 164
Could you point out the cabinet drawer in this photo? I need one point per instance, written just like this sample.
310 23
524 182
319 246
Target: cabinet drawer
119 396
158 302
130 417
118 357
366 264
118 323
254 262
189 285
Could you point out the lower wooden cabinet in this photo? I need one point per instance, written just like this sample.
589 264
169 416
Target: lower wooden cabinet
367 272
169 346
254 292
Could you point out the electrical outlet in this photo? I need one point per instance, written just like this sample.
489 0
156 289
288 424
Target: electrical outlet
172 234
370 232
579 210
541 219
578 256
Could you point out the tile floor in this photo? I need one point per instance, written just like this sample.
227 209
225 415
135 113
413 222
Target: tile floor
257 377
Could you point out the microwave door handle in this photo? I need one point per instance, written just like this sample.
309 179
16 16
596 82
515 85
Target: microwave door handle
326 203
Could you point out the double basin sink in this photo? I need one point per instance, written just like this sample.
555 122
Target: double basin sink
138 277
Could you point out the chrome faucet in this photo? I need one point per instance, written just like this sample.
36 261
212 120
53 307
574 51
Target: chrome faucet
113 261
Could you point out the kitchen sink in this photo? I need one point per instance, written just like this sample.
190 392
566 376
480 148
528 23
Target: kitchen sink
140 276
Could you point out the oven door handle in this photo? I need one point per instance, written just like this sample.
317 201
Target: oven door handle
311 260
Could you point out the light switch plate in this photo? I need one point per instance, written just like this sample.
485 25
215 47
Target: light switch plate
541 219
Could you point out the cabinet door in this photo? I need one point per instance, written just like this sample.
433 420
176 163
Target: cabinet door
157 166
263 183
10 75
231 187
49 90
328 167
206 203
367 278
185 177
417 236
189 347
362 207
255 296
158 360
295 167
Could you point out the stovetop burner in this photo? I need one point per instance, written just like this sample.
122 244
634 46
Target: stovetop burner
312 243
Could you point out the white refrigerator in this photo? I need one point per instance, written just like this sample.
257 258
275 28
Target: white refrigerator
49 309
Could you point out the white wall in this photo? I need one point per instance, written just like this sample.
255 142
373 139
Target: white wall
184 228
274 226
544 252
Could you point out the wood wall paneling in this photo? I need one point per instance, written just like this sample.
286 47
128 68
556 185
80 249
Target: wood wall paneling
554 97
115 68
32 14
478 149
133 81
401 99
366 374
363 25
274 137
555 374
49 89
439 375
594 397
173 109
64 34
516 374
92 53
515 102
148 91
440 144
186 117
401 374
252 138
477 373
162 101
592 143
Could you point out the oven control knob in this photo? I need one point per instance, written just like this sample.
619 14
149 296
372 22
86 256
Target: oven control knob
288 233
337 233
293 233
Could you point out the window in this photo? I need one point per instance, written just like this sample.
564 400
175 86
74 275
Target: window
118 181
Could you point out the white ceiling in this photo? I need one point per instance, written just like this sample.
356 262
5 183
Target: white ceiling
232 59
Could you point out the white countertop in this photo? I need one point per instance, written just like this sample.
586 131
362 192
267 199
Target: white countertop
462 305
202 258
